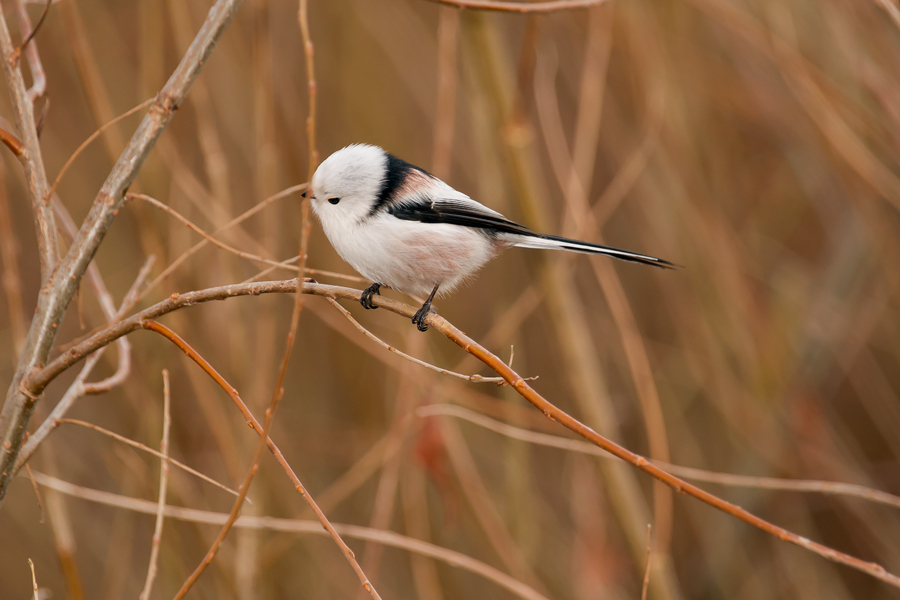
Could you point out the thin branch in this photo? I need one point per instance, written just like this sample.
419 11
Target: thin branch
38 87
646 584
252 422
386 346
36 382
34 31
54 297
149 450
37 494
520 7
388 538
682 487
80 387
727 479
91 138
235 221
33 162
34 580
163 487
13 143
245 486
208 237
308 53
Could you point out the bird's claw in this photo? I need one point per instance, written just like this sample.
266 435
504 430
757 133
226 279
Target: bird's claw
366 297
419 318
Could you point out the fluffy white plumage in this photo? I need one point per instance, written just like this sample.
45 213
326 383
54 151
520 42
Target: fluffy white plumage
403 228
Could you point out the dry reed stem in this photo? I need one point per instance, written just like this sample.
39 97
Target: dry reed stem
88 67
91 138
54 298
36 382
479 498
143 447
387 489
891 9
646 583
163 488
726 479
447 83
574 171
253 423
254 465
520 7
387 538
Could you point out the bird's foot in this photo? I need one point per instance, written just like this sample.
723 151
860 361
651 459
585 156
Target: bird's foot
366 298
419 318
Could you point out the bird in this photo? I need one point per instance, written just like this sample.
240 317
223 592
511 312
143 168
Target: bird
403 228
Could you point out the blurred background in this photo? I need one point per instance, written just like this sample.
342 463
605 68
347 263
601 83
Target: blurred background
754 142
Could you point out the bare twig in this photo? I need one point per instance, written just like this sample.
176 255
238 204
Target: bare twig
388 538
386 346
13 143
33 161
149 450
646 584
520 7
726 479
252 422
31 35
245 486
80 387
235 221
163 487
37 493
93 137
447 80
36 382
55 297
34 580
208 237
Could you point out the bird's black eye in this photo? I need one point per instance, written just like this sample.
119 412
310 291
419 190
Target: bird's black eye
333 200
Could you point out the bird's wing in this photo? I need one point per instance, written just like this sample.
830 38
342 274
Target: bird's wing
464 212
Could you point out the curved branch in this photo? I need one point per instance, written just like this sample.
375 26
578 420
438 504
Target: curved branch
34 384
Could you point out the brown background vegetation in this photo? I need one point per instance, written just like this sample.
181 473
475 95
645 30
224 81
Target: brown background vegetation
754 143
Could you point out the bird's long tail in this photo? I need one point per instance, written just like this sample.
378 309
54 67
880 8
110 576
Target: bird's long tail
552 242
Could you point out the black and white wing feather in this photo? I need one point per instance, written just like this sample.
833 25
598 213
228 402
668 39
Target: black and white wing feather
466 212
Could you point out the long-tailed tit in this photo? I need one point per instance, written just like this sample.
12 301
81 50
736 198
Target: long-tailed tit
405 229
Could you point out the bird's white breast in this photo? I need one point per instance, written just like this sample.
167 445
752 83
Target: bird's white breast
409 256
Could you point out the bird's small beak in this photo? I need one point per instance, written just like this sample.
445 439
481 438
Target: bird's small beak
304 193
